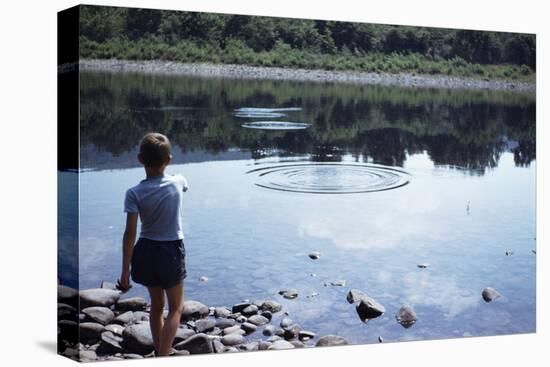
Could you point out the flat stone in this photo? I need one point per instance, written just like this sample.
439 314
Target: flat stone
102 315
183 333
331 340
194 310
232 339
289 293
137 338
221 312
202 326
131 304
223 323
196 344
258 320
236 329
280 344
406 316
489 294
98 297
126 318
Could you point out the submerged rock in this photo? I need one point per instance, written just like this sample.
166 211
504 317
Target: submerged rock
271 306
406 316
289 293
337 283
423 265
331 340
489 294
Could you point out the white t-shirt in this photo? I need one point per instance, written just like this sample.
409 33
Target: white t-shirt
158 200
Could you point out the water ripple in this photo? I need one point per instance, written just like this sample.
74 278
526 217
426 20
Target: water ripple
330 178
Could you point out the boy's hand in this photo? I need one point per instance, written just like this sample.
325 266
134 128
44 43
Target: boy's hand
124 282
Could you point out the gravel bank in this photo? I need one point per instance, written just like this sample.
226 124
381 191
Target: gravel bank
276 73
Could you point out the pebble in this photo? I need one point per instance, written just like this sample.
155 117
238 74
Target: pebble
280 345
331 340
232 339
423 265
258 320
406 316
289 293
368 308
235 329
509 253
203 279
315 255
250 310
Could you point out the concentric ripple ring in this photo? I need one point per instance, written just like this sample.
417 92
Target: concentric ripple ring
330 178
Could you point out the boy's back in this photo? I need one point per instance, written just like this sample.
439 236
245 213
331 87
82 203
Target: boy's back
158 200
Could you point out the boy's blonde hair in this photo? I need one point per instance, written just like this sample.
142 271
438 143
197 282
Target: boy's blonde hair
154 149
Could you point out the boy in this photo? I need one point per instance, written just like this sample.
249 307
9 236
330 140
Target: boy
158 258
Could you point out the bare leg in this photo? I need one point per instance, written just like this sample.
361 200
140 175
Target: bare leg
175 308
155 316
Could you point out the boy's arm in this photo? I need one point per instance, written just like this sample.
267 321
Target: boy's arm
128 241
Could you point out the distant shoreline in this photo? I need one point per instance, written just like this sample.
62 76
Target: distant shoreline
305 75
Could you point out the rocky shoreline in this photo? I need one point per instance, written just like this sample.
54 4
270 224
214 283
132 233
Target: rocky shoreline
99 325
306 75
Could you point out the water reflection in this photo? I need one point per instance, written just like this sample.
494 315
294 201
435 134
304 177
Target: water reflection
466 129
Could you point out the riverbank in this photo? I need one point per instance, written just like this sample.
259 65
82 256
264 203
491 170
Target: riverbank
303 75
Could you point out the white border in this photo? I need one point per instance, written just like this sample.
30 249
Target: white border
28 189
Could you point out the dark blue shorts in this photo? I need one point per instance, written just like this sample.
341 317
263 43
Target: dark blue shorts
158 263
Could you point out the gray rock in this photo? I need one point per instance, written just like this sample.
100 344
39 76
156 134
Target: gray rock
380 339
90 332
110 344
258 320
233 339
289 293
137 338
182 334
249 347
194 310
218 346
280 344
292 332
98 297
279 331
239 307
268 315
305 335
315 255
286 322
355 295
182 352
331 340
406 316
126 318
249 327
67 295
368 308
489 294
230 349
115 329
102 315
268 330
196 344
202 326
337 283
131 304
250 310
236 329
423 265
141 316
271 306
274 338
221 312
241 319
225 323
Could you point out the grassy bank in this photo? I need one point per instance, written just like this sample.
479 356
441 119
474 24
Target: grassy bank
282 55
